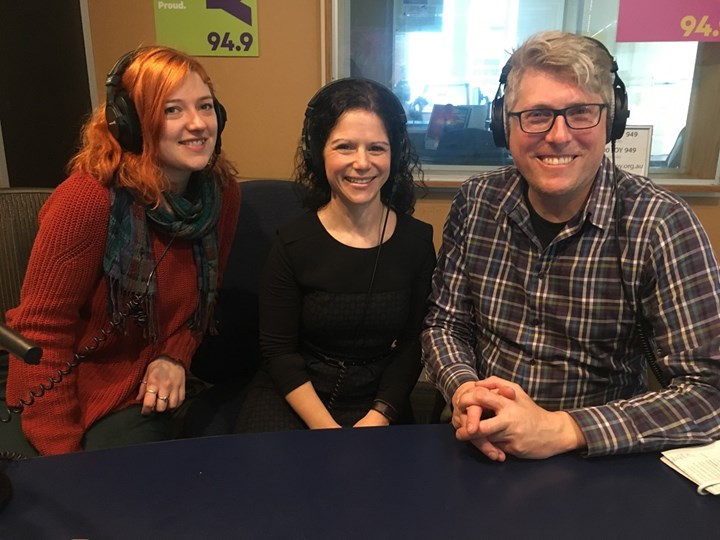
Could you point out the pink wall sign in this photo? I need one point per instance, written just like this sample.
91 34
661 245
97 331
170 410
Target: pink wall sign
650 20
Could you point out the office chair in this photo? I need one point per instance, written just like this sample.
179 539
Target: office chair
19 209
229 359
674 158
18 226
470 146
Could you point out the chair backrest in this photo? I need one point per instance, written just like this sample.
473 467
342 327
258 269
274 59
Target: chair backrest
18 226
235 352
674 158
470 146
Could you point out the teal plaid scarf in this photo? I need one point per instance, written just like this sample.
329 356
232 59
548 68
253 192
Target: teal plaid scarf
129 264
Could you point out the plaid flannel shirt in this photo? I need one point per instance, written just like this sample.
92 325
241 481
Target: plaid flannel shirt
558 322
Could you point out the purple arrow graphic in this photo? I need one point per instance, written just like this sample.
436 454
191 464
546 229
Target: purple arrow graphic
234 7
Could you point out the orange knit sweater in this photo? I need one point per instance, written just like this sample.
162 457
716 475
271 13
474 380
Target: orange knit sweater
63 305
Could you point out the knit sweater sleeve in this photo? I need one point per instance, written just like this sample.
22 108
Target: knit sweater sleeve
280 315
64 267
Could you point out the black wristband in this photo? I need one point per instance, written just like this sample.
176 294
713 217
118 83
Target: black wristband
384 408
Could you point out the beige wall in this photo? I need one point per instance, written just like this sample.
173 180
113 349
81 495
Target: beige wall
708 210
266 96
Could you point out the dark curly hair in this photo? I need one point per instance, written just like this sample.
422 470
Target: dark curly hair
322 114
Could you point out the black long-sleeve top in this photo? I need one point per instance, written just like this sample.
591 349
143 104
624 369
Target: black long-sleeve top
315 297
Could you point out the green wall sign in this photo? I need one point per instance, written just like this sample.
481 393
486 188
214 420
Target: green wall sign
208 27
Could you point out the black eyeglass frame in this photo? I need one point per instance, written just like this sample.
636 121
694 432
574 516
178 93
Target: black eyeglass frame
556 113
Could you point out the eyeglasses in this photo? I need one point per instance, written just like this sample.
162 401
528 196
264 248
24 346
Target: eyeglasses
583 116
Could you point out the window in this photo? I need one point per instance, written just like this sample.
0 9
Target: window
442 58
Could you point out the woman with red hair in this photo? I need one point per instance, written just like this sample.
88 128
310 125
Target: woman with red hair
125 269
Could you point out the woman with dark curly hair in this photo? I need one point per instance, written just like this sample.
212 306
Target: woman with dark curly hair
346 284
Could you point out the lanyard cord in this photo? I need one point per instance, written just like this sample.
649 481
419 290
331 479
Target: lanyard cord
358 337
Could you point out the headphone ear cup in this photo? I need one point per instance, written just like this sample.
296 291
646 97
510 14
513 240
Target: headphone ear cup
620 112
221 115
123 122
497 110
497 122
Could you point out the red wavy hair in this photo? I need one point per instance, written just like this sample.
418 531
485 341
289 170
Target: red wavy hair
149 79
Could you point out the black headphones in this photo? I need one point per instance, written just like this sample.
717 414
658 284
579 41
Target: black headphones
615 128
121 115
399 111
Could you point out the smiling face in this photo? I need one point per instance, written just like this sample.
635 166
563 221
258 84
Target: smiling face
190 131
559 165
357 158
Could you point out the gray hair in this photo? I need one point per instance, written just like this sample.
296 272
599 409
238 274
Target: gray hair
583 60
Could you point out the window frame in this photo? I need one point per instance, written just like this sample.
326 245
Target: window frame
701 152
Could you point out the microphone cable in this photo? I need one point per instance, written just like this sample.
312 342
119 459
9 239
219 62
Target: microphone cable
642 324
133 310
368 295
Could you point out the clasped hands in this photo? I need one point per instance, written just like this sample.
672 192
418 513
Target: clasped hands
500 419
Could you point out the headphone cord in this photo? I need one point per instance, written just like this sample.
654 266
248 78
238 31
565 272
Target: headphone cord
642 325
133 310
358 337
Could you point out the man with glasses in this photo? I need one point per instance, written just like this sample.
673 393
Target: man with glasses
562 277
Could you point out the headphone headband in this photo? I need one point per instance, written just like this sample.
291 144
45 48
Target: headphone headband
120 113
113 80
309 120
615 126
